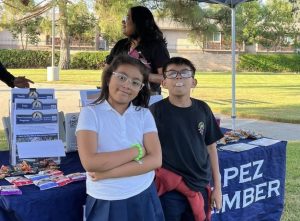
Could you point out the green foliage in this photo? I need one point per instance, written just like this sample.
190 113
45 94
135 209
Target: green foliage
268 24
110 14
88 60
192 15
81 22
248 15
3 141
27 31
26 58
276 23
269 63
42 59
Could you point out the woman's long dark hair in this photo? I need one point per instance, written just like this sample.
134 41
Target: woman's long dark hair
142 99
145 26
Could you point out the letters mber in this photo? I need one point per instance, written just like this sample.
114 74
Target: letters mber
247 173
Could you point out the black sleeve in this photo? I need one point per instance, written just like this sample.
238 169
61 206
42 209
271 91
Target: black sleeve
6 77
119 48
160 55
213 131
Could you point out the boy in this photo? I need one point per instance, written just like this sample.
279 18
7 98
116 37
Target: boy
188 133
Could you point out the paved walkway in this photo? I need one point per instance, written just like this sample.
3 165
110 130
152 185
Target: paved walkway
275 130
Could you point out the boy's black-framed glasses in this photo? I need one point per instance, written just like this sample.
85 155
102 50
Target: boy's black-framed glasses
134 83
183 73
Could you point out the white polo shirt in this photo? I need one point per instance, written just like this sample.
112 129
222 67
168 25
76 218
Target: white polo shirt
117 132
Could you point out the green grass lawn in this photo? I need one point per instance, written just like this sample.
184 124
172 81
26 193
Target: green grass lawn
3 142
266 96
292 186
82 77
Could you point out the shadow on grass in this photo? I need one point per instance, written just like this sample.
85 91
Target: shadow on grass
238 101
286 114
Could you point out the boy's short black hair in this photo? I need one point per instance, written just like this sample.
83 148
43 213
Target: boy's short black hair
179 61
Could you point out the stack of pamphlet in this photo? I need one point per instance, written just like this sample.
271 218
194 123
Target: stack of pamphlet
35 127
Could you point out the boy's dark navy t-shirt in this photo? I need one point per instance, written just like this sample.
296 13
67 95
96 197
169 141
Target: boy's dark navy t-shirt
184 134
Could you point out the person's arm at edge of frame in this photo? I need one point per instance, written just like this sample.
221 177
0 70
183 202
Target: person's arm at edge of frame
151 161
6 77
216 195
98 162
156 78
12 81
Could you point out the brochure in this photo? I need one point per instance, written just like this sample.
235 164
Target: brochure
71 120
19 180
238 147
28 93
61 180
77 176
10 190
35 104
45 183
264 142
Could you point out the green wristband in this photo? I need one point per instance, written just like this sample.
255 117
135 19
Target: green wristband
140 149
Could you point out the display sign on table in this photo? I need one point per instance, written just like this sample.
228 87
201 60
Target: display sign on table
34 120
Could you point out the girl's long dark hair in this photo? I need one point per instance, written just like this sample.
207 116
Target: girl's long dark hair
145 26
142 99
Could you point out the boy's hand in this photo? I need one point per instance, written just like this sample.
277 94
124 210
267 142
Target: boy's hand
216 199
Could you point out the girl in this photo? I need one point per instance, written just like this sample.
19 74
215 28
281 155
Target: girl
119 147
145 42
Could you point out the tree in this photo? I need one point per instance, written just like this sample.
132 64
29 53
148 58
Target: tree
23 12
248 15
81 22
190 14
296 16
27 31
276 24
64 59
110 13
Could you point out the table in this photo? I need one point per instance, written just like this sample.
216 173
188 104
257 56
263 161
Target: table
57 204
253 183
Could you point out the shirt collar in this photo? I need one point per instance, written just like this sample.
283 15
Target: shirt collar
106 106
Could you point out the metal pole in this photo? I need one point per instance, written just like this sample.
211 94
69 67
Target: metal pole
233 115
53 33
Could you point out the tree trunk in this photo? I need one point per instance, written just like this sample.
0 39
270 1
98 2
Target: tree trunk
97 36
26 42
21 35
64 60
